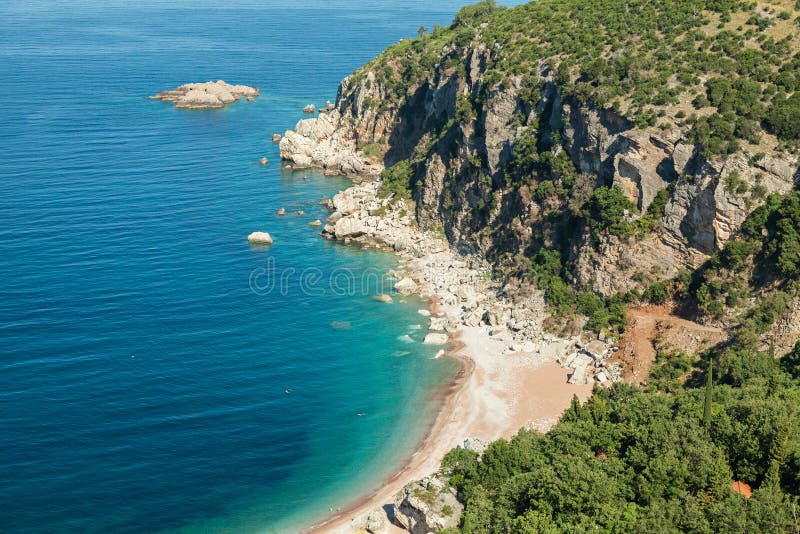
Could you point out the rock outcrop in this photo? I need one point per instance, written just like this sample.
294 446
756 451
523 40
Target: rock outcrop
428 505
260 238
321 142
208 95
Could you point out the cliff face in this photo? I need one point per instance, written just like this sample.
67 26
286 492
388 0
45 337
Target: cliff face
466 134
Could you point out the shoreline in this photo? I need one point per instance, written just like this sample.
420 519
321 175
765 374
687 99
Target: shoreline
509 377
340 521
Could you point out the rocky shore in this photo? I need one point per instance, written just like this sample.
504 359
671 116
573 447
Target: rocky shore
208 95
514 377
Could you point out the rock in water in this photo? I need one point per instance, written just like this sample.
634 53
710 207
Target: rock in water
315 223
311 108
263 161
208 95
276 138
300 212
282 211
383 298
435 338
260 238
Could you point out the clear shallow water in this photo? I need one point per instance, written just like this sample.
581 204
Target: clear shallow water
143 385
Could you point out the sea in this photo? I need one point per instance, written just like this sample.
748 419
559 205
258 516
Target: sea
157 373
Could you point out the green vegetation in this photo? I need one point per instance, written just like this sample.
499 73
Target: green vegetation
767 252
736 62
609 210
397 181
547 271
661 460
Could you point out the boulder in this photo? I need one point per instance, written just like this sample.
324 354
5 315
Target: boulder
311 108
282 211
435 338
315 223
276 138
263 161
427 506
348 227
373 522
406 286
260 238
382 298
299 212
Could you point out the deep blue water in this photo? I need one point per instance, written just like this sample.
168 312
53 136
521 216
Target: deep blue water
144 386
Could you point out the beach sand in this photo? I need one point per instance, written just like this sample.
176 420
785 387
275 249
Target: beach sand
493 396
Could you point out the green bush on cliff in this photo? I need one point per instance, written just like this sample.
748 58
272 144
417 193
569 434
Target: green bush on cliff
397 181
608 210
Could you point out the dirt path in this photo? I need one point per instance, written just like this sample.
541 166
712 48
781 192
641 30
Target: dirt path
648 324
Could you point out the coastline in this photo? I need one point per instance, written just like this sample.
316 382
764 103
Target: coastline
509 378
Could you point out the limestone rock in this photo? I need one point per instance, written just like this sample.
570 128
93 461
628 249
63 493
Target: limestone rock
382 298
435 338
427 506
276 138
315 223
373 522
208 95
406 286
348 227
260 238
282 211
311 108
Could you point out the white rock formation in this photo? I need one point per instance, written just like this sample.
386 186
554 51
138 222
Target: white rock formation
208 95
260 238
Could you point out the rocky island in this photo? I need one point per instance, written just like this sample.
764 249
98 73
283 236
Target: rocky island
611 187
208 95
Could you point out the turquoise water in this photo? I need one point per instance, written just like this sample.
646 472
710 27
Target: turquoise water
144 385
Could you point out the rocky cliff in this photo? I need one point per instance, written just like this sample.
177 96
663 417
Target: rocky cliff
505 162
465 179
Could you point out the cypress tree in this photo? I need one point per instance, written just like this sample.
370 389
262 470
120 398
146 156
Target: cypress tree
707 404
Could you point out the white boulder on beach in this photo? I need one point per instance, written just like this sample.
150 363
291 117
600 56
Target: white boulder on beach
260 238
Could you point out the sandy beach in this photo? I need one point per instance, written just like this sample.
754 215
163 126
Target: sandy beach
509 377
493 396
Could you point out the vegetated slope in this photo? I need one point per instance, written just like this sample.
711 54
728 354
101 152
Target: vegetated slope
616 152
593 147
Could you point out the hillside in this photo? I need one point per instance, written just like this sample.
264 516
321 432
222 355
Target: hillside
612 154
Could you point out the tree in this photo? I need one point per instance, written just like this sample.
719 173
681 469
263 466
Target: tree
708 397
421 31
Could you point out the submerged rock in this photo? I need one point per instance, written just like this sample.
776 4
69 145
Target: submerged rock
260 238
208 95
383 298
